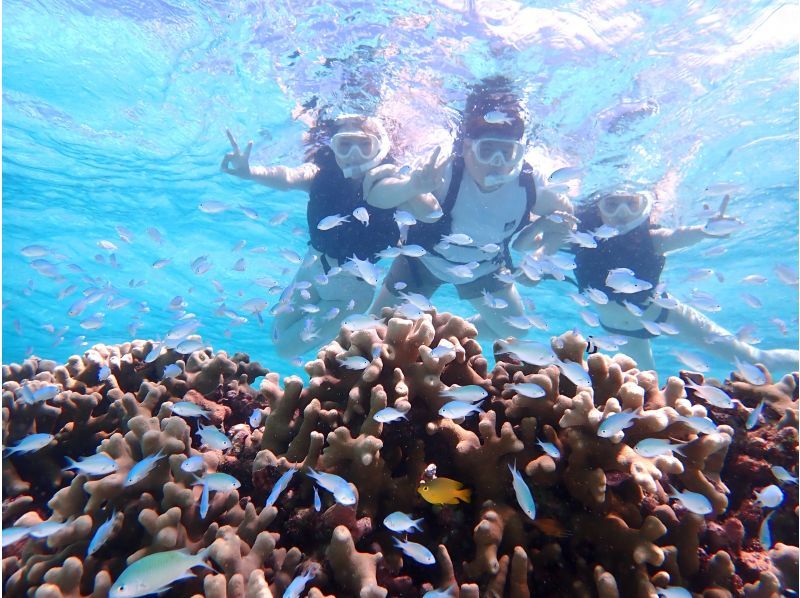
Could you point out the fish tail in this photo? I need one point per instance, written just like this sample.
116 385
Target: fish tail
202 557
464 494
73 464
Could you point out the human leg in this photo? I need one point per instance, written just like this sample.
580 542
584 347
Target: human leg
697 328
494 321
415 277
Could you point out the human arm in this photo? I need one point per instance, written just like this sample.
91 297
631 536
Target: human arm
283 178
666 239
553 223
387 187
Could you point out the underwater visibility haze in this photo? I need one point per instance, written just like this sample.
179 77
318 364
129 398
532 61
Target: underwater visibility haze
142 283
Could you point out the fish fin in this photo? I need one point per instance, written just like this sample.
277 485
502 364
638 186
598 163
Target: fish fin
464 495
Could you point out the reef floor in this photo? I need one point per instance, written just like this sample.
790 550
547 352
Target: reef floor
553 474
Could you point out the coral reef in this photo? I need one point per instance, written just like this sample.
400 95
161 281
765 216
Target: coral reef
606 521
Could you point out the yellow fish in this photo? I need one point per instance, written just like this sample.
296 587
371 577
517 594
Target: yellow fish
443 491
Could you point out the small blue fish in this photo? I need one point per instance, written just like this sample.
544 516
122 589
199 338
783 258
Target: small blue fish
712 394
616 423
764 534
98 464
333 221
102 535
524 496
45 393
692 501
590 318
139 471
294 589
653 447
749 372
549 448
458 409
188 409
255 418
193 464
103 373
218 482
470 393
575 373
362 215
596 295
702 425
605 231
403 218
171 371
338 486
753 417
14 534
769 497
280 486
783 475
445 593
47 528
674 592
443 349
211 437
527 389
155 572
413 250
401 523
354 362
317 500
204 501
31 443
388 415
415 551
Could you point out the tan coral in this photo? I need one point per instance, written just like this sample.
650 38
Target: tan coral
355 571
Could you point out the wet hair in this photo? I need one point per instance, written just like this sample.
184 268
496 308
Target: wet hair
490 95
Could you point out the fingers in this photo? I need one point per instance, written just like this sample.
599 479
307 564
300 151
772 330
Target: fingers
435 155
225 161
247 150
234 145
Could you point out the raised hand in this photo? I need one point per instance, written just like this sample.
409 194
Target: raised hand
236 162
429 176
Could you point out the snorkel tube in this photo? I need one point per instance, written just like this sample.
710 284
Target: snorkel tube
379 131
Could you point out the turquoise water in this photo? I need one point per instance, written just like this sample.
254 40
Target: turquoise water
114 114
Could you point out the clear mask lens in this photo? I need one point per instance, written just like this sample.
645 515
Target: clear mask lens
350 145
497 152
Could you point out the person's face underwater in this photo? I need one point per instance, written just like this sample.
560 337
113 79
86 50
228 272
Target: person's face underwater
353 147
491 156
619 210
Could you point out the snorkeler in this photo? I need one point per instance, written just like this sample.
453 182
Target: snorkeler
345 227
626 265
487 194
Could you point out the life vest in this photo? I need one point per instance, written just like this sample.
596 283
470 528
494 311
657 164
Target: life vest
428 235
331 193
633 250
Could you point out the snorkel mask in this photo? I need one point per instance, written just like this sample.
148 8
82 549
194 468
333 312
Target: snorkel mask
625 210
499 152
370 149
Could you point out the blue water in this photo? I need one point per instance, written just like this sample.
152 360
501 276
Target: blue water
114 114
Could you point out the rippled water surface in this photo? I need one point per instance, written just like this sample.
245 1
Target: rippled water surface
114 115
